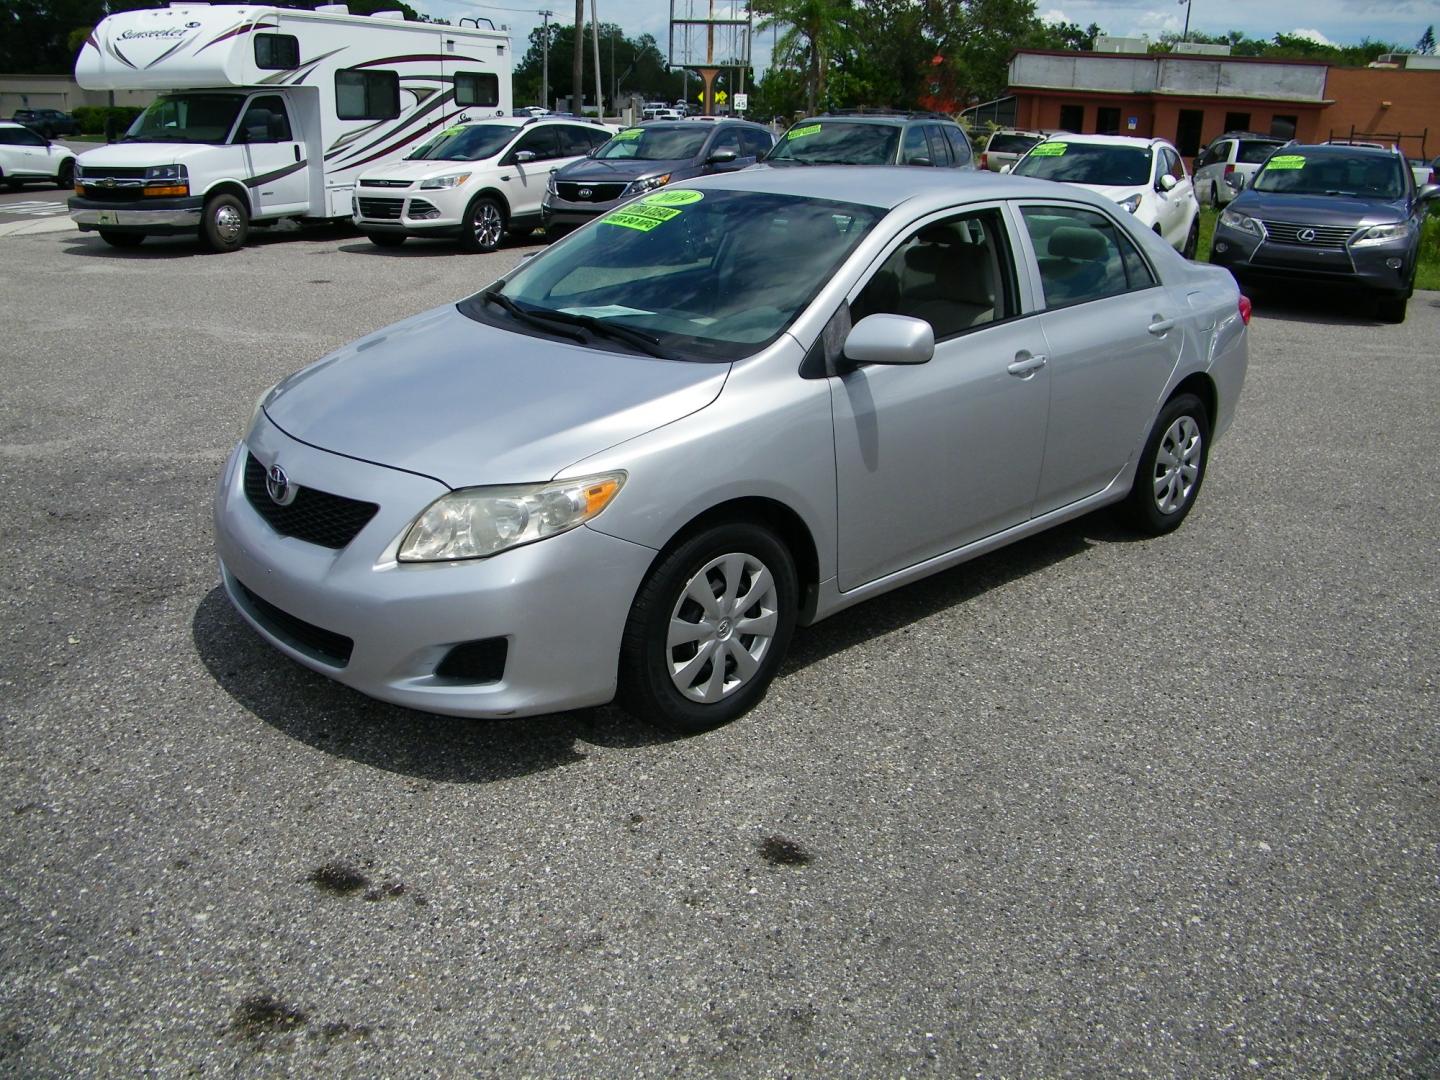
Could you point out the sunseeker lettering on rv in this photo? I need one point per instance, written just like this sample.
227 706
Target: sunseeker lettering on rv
178 31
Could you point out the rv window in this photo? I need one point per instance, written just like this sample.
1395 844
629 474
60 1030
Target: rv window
277 52
367 95
476 88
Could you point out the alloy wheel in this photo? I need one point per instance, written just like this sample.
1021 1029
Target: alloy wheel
488 225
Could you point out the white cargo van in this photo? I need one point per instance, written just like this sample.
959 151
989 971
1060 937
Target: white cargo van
269 113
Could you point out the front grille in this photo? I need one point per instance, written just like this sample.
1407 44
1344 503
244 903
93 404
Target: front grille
598 192
385 183
114 172
1326 236
317 517
325 645
419 208
115 194
381 209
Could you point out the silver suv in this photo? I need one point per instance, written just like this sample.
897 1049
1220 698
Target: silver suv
875 139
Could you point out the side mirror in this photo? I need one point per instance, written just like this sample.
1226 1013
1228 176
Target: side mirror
890 339
721 157
1166 182
920 161
1428 193
523 157
1236 180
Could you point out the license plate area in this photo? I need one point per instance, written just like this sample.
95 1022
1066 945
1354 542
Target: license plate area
107 217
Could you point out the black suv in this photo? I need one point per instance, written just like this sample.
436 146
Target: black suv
48 122
1344 214
875 139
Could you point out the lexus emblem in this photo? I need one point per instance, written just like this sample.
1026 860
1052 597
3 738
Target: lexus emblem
279 488
1306 235
585 192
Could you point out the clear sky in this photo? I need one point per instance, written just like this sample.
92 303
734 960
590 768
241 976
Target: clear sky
1339 21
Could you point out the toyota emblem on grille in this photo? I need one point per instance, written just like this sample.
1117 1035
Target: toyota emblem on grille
279 488
585 192
1307 235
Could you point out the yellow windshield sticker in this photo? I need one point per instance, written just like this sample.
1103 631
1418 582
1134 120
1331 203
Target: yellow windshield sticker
452 131
1286 161
673 198
640 217
631 133
1049 149
801 132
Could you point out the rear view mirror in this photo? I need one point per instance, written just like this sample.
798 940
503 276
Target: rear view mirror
890 339
1167 182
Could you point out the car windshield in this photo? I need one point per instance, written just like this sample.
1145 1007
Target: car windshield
655 143
1088 163
468 142
1254 151
1369 176
194 118
1010 144
831 142
694 275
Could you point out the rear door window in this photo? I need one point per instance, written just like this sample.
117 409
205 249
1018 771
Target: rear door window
939 148
1082 255
915 150
541 142
960 145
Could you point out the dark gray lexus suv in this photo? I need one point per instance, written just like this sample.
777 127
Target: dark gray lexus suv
1345 214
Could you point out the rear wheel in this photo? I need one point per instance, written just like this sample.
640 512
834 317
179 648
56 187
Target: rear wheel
386 239
1172 467
484 225
709 629
225 224
122 239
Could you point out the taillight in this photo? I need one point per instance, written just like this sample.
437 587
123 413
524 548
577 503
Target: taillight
1245 309
1229 169
984 161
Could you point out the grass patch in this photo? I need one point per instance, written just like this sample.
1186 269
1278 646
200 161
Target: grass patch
1208 216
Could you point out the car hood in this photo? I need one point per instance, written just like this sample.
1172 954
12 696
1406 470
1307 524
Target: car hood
144 153
451 398
1319 209
400 169
1116 193
624 169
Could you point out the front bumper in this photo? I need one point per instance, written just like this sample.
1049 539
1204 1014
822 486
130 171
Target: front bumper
432 212
557 211
560 604
1368 267
155 216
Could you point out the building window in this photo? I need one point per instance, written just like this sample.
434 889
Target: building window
277 52
1072 118
1188 128
367 95
1237 121
1283 127
476 88
1107 121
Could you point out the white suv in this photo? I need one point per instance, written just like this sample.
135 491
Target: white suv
26 157
1145 176
473 181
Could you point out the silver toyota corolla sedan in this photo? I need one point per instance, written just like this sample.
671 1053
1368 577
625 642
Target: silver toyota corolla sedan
634 464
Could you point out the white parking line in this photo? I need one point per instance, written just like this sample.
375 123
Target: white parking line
33 208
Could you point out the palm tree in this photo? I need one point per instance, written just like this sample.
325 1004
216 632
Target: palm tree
813 32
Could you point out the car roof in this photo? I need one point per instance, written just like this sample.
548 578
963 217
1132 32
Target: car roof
11 123
688 123
887 186
1140 142
881 119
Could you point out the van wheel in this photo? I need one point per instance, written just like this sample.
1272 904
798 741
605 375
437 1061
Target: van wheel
122 239
484 225
385 239
66 176
709 629
225 225
1171 469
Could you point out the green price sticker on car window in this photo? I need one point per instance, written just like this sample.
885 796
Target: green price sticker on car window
801 132
673 198
639 217
1049 149
452 131
1286 161
631 133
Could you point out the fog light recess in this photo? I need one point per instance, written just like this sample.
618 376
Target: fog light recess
480 661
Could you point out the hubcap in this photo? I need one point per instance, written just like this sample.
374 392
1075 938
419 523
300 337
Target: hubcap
721 627
488 226
227 223
1177 465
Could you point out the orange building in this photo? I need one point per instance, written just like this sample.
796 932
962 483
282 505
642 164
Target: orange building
1192 98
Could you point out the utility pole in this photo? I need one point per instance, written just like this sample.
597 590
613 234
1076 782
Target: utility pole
545 61
1185 35
577 60
595 40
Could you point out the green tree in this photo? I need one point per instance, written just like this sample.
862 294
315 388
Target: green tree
1426 45
812 33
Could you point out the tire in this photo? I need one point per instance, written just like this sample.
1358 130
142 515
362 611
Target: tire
66 177
1391 309
385 239
225 224
122 239
660 681
483 229
1192 240
1171 469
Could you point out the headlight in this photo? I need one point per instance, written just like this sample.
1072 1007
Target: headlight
167 173
1132 204
441 182
1379 234
550 187
1242 223
475 522
636 187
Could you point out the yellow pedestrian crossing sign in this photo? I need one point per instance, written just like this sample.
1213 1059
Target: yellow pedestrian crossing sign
720 96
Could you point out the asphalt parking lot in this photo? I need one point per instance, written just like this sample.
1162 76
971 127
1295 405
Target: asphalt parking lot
1087 806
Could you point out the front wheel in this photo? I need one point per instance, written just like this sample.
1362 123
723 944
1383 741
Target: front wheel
709 629
66 176
225 224
1172 467
1192 240
1391 309
484 226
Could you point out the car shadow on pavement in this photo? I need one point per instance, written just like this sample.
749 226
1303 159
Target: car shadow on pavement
420 247
1311 304
334 719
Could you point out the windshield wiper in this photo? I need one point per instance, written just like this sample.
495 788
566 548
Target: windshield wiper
1347 194
648 343
499 299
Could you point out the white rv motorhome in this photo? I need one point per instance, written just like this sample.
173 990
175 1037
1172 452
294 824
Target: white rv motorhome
268 113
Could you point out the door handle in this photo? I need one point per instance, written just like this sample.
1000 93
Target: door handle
1161 325
504 178
1026 364
297 151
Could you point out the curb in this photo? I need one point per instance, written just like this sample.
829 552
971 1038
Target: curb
60 223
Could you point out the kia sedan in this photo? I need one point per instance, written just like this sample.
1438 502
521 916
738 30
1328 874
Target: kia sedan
636 463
